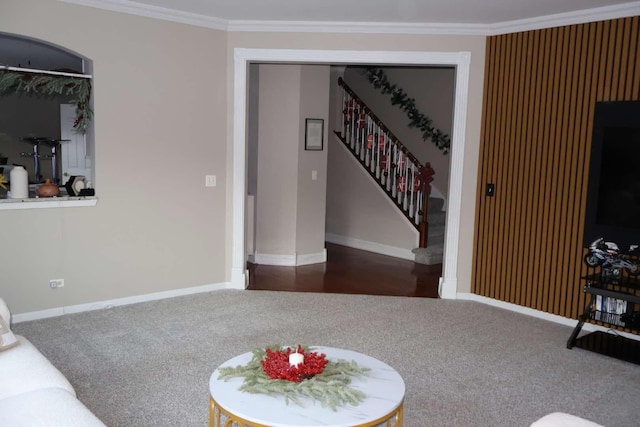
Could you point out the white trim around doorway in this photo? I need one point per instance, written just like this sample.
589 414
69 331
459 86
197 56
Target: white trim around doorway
243 56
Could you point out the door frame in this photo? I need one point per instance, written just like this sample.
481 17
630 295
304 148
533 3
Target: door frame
243 56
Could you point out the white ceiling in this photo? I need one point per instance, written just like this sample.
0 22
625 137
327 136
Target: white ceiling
389 11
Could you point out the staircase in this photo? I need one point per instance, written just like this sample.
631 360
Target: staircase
432 254
397 171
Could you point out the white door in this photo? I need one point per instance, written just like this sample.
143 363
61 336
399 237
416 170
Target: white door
73 153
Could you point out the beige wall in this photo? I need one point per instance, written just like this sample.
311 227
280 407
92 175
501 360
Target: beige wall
425 43
432 89
160 96
314 103
161 99
278 136
290 205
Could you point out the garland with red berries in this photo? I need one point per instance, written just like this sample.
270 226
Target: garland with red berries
326 381
276 364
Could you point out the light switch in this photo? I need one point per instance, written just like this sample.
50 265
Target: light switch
209 180
314 175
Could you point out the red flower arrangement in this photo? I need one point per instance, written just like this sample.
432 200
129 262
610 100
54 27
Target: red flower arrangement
276 365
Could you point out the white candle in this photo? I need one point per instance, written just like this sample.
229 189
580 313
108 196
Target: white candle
295 359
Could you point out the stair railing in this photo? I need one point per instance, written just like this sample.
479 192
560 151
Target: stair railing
398 172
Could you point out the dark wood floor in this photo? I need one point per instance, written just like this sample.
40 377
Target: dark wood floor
351 271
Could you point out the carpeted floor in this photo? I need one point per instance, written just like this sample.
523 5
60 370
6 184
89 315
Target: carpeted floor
464 363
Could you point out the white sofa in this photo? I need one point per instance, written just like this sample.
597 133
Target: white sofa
560 419
33 393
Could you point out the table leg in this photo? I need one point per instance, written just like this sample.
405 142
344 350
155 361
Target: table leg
399 416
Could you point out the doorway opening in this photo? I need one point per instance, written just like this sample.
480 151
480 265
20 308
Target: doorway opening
242 59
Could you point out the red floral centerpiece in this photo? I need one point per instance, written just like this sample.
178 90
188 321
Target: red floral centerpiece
297 373
277 365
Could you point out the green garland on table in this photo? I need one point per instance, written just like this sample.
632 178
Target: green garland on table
379 80
330 388
51 85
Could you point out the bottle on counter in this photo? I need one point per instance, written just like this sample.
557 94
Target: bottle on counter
19 180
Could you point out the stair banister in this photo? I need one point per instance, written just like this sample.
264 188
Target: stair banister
379 122
396 170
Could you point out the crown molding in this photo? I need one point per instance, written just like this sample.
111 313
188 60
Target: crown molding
345 27
569 18
548 21
156 12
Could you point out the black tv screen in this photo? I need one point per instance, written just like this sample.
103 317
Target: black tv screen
613 197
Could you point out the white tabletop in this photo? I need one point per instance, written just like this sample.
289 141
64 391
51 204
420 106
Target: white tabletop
383 387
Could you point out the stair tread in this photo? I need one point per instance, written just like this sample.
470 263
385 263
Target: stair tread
437 218
429 255
435 205
429 250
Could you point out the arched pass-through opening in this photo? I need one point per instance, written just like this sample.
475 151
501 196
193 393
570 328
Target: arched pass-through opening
51 116
242 58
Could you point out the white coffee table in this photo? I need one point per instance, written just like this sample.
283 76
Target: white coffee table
383 387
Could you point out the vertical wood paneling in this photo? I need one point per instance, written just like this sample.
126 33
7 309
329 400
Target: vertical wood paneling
636 74
575 54
540 93
533 40
519 176
535 179
578 131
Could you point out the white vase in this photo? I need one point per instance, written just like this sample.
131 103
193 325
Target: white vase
19 179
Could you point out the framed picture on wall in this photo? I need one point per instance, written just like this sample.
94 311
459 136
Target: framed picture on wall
314 134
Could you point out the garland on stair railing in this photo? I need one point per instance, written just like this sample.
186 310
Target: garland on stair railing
379 80
50 85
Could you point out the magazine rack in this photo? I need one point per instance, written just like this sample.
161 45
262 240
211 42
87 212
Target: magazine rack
613 300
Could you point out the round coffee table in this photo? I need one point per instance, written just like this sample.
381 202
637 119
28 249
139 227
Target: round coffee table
383 387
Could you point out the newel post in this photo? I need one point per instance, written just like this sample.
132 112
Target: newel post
426 176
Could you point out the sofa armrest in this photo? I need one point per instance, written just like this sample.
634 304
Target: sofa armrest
48 407
23 368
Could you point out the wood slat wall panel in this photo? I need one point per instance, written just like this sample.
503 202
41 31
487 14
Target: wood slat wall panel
486 132
540 92
533 43
575 53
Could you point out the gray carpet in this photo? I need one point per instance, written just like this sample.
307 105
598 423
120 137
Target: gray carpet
472 365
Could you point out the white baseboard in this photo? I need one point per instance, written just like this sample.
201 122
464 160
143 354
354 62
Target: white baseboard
377 248
291 260
317 258
99 305
589 327
270 259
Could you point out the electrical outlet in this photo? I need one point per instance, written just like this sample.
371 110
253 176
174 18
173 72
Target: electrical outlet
209 180
56 283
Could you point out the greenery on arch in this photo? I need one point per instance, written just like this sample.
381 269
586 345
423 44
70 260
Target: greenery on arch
378 78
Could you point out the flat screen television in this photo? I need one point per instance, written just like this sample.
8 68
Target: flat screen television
613 195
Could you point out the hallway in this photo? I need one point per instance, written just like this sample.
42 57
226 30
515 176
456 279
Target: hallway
351 271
